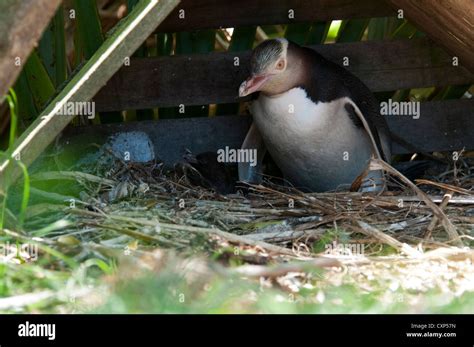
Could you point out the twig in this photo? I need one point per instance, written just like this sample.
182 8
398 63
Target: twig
73 175
402 247
434 198
283 269
138 235
434 221
228 236
448 226
445 186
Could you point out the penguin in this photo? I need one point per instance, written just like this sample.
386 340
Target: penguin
320 123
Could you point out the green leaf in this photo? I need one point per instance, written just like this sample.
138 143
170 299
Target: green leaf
297 33
26 106
39 82
404 31
352 30
318 33
52 49
13 104
88 26
452 92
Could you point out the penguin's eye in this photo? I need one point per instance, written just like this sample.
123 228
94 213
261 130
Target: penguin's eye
280 65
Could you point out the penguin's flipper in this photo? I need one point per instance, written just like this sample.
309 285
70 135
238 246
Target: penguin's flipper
253 141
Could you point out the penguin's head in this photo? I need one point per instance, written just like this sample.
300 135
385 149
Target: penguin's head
270 70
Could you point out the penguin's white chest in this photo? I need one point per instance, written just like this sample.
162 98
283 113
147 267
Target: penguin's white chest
293 111
316 145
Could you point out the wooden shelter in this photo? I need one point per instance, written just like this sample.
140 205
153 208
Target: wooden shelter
441 59
388 65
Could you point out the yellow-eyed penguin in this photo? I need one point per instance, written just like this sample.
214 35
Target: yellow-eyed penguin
312 115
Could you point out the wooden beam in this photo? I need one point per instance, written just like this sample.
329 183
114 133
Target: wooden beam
22 23
130 34
206 14
449 22
442 126
213 78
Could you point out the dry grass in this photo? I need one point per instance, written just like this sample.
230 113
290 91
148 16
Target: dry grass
388 244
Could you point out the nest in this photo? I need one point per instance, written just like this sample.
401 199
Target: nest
145 202
400 244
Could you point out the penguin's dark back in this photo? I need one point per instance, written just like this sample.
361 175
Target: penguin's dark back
327 81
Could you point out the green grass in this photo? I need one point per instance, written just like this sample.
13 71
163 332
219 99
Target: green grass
13 104
26 194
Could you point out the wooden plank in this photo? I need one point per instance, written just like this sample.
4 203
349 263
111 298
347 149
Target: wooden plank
205 14
449 22
21 24
442 126
213 78
130 34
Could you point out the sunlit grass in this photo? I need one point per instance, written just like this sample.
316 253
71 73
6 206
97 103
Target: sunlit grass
13 104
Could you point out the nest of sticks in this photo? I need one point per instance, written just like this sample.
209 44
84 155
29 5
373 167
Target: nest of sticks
144 202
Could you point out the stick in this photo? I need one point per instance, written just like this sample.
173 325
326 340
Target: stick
228 236
448 226
401 247
281 270
434 221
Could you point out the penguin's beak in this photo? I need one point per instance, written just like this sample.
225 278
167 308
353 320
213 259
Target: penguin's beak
252 84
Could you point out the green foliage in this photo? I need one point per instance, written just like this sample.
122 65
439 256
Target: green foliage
352 30
52 49
318 33
404 31
382 28
451 92
39 82
26 107
3 208
333 31
13 104
88 26
26 194
297 33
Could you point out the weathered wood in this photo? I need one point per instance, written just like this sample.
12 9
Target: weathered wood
138 25
205 14
21 24
213 78
442 126
449 22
